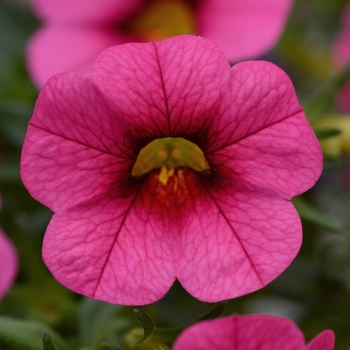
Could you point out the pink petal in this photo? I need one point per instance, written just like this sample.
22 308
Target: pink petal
341 47
212 334
242 333
263 95
341 56
179 84
286 169
267 333
70 155
243 29
109 251
8 264
323 341
85 11
251 332
247 240
54 49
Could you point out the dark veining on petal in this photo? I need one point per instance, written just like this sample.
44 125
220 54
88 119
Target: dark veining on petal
115 240
254 132
85 145
233 231
163 86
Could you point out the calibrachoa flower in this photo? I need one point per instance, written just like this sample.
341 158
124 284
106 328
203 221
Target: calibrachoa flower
168 164
76 31
253 332
8 263
341 51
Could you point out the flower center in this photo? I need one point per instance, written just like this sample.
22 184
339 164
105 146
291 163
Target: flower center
161 19
168 153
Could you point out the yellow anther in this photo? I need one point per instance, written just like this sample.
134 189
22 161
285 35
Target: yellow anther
162 155
176 154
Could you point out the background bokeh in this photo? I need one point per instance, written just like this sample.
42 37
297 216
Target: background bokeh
314 291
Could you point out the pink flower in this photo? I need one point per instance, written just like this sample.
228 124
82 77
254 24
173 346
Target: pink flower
341 52
253 332
76 31
8 264
128 221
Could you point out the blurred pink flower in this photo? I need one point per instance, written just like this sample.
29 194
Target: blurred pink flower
341 52
8 264
76 31
222 223
253 332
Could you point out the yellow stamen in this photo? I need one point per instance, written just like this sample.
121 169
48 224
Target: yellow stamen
165 173
168 153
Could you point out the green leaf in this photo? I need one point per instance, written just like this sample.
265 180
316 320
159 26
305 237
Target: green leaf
110 344
146 323
27 335
97 319
48 342
112 341
214 312
167 335
107 346
308 212
326 133
323 102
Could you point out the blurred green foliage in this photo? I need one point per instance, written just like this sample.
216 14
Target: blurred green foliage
314 291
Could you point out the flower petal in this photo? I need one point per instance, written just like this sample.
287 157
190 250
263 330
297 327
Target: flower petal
242 333
85 11
273 333
283 159
212 334
179 80
243 29
341 46
55 49
259 95
84 156
8 264
341 57
247 240
109 251
323 341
